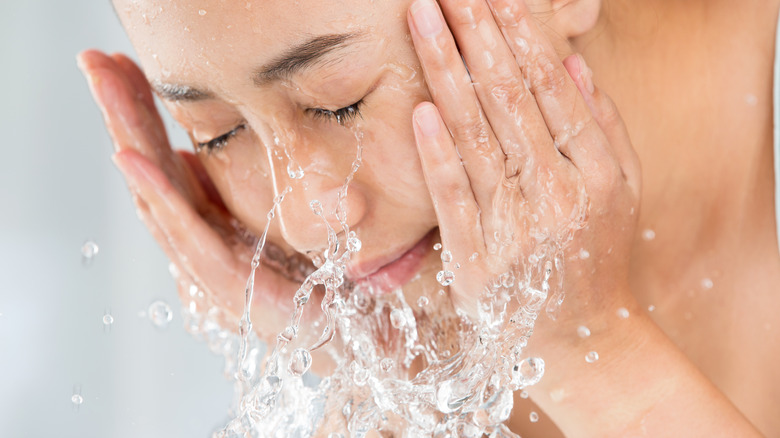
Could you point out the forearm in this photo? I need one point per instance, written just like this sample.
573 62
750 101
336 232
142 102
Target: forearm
642 385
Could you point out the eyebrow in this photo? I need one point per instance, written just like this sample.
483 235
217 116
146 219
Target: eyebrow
296 59
301 57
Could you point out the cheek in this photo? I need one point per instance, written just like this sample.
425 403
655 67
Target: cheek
242 177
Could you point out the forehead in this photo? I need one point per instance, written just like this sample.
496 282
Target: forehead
196 39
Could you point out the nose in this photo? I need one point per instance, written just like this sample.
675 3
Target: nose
323 193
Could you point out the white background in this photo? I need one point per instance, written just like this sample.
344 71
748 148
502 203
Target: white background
58 188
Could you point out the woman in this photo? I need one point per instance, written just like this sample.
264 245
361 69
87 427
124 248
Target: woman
519 146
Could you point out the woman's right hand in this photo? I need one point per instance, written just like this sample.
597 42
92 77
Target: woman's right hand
179 204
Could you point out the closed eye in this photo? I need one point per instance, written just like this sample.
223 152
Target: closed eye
220 142
341 115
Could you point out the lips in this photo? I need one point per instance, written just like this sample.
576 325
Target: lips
390 272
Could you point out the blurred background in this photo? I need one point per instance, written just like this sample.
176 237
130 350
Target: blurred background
58 190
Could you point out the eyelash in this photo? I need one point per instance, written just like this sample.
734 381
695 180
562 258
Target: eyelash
221 141
342 115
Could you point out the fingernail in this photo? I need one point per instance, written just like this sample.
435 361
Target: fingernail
427 120
426 18
586 75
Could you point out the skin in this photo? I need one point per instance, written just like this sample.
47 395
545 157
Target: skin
699 389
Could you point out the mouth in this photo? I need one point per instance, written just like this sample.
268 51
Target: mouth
389 272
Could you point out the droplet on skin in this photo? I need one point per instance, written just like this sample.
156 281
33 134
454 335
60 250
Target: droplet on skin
648 235
397 318
445 278
622 313
202 12
534 417
473 257
591 357
584 254
160 314
583 331
422 301
523 394
437 246
108 319
446 256
650 308
316 207
386 364
354 244
706 283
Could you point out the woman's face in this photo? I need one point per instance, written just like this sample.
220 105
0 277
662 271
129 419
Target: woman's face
291 85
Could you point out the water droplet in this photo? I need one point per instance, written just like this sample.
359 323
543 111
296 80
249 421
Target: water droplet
533 416
335 435
316 207
473 257
445 278
528 372
446 256
523 394
397 318
354 244
201 12
300 362
437 246
591 357
650 308
159 312
584 254
88 252
386 364
583 331
359 374
648 234
622 313
706 283
108 319
422 301
294 171
288 334
77 399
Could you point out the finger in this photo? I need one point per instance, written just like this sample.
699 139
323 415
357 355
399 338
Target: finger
453 199
204 181
452 92
201 250
136 78
510 107
564 110
608 117
130 122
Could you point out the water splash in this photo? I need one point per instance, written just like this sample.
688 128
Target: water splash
423 371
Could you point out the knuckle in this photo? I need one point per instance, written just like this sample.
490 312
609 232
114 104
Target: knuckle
545 77
469 129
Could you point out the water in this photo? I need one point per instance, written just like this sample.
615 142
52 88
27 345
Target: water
426 370
591 357
533 417
583 331
88 252
622 313
160 314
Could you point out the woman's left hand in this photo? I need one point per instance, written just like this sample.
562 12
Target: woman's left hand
526 161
